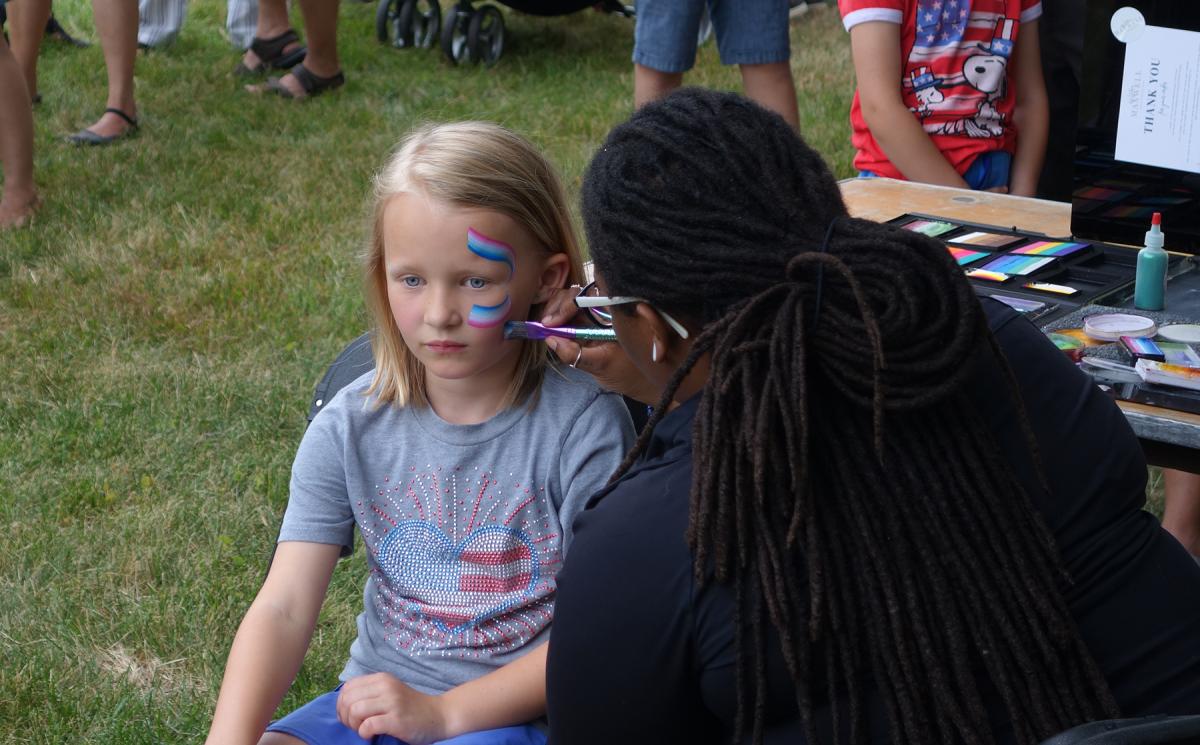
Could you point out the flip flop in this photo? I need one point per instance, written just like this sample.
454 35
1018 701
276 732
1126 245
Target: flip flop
271 54
313 85
88 137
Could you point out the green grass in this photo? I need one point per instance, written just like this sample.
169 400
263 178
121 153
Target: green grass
164 321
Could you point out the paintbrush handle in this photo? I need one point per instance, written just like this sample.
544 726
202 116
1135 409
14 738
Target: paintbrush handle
536 331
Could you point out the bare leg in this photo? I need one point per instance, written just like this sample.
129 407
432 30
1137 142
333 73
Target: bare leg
1181 516
16 143
272 21
117 24
772 87
320 22
650 84
27 21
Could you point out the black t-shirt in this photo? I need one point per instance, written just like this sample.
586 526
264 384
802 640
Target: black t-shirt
639 654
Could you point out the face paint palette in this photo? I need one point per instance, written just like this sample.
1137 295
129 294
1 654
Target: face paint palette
984 239
966 256
931 228
1048 277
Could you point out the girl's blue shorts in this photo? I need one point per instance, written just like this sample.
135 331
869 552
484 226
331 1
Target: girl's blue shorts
987 171
316 723
749 32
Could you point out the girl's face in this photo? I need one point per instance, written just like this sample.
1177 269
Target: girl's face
454 276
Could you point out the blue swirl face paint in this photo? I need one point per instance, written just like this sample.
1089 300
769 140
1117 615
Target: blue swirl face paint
487 316
491 249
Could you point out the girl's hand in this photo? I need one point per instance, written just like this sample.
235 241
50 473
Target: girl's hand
380 704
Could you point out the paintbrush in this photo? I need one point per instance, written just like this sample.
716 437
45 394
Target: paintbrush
536 331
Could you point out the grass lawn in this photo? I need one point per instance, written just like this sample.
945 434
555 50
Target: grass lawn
164 321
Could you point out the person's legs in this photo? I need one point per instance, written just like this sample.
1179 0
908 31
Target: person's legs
27 22
159 21
753 34
1181 516
272 23
117 25
650 84
320 21
771 86
16 143
664 46
241 19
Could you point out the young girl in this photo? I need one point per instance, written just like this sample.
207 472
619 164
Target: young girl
461 459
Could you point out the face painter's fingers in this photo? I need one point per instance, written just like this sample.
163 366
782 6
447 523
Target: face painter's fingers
559 309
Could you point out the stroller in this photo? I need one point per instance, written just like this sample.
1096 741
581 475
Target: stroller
470 34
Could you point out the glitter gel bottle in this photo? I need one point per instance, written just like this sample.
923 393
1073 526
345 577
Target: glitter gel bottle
1150 285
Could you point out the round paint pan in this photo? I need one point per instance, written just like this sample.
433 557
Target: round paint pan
1188 333
1112 326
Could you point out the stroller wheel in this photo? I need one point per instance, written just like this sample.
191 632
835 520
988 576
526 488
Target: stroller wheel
403 24
425 24
485 34
454 33
389 25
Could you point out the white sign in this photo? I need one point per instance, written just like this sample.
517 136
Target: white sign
1159 122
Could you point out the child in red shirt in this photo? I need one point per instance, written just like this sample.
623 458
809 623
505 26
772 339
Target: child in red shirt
970 108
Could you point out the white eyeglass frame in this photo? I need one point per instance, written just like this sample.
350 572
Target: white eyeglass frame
598 301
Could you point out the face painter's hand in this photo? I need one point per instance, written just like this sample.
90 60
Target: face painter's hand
609 365
560 309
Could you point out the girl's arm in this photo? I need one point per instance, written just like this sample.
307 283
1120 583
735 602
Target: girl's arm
380 704
1031 114
875 47
272 640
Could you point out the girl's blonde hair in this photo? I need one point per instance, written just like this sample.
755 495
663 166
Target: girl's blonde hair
465 164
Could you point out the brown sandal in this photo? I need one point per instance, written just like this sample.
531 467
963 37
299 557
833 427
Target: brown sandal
272 55
313 85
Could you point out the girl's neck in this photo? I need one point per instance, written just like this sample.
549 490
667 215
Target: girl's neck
475 399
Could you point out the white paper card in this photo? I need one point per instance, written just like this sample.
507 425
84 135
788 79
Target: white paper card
1160 100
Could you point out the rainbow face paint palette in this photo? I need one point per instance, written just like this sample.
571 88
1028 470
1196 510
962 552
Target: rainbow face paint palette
966 256
1047 277
1020 265
1051 248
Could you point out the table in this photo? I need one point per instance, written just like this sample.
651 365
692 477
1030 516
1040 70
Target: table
1169 438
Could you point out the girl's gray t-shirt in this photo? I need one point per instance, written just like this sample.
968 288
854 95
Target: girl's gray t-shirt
465 526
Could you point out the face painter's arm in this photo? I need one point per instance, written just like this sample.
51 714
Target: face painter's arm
604 361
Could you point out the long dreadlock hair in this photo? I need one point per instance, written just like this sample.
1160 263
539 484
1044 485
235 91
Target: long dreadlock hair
835 450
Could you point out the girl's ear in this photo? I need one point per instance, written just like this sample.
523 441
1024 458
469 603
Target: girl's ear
555 268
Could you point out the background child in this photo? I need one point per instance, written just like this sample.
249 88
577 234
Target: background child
949 91
19 197
461 459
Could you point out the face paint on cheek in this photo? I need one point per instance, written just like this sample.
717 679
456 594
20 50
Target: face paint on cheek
487 316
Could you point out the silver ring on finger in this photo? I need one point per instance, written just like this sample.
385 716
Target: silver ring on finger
577 358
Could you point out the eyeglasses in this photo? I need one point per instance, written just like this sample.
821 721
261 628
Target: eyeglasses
589 297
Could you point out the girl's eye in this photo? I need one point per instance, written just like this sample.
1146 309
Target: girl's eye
411 281
476 283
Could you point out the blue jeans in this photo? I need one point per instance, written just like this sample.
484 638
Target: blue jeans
749 32
988 170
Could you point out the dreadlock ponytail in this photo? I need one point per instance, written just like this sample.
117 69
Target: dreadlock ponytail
842 484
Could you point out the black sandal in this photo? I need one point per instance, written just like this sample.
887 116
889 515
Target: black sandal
313 85
88 137
272 55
